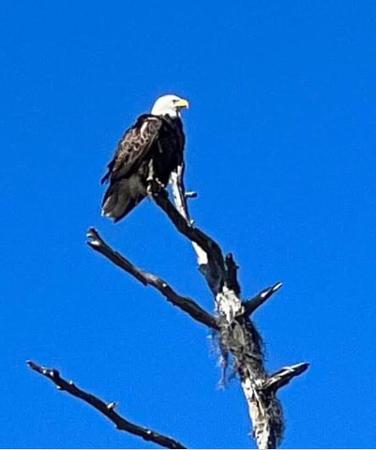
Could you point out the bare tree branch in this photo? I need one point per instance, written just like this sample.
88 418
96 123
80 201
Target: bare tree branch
284 376
207 265
232 274
186 304
251 305
238 335
107 409
239 338
207 244
191 194
181 204
181 196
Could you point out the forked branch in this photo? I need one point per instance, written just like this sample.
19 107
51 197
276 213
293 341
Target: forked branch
107 409
186 304
238 335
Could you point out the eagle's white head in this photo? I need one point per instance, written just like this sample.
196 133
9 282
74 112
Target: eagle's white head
169 105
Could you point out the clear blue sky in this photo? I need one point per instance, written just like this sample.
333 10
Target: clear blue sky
281 148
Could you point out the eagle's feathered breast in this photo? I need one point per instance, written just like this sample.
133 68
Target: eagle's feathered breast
152 147
168 151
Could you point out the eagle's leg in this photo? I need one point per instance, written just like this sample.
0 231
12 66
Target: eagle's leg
150 177
153 185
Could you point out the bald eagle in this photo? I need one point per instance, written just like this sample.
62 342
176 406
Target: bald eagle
150 150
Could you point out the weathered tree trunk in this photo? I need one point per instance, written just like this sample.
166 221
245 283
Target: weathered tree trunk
238 335
239 340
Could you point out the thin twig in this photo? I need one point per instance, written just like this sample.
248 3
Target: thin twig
107 409
186 304
251 305
283 376
191 194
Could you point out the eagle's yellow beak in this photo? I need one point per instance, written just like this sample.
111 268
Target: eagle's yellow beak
182 103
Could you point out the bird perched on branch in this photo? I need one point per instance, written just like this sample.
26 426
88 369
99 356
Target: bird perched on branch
149 152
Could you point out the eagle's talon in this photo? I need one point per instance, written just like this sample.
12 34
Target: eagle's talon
154 186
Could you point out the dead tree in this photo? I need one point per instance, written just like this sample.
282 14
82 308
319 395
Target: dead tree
239 341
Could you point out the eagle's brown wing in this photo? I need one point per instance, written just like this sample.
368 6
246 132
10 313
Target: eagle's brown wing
127 184
133 147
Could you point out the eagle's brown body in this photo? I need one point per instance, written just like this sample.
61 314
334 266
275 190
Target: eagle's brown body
151 149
